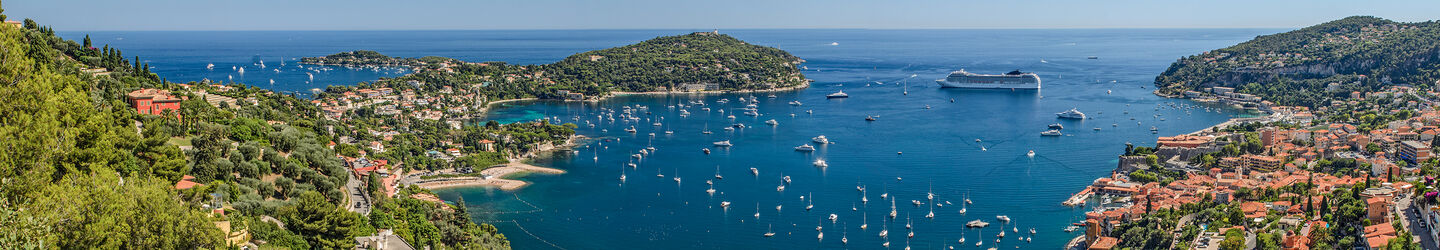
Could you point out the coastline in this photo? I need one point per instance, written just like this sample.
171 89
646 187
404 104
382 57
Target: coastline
499 176
804 84
496 176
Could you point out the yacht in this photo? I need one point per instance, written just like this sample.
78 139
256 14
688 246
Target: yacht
772 122
631 129
820 163
820 139
805 148
1057 126
1002 218
839 94
977 223
1071 114
725 143
1051 132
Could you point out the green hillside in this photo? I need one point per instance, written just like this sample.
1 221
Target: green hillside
1312 65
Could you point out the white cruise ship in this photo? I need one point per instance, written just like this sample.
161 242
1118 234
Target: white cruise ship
1012 80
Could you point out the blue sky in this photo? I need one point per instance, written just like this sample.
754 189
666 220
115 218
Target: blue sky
99 15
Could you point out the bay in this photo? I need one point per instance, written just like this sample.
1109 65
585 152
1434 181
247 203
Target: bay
930 149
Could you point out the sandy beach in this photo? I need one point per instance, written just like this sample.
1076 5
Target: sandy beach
497 176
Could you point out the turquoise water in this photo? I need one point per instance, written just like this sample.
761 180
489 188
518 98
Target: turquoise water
931 149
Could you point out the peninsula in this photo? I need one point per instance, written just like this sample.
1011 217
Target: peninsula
443 95
696 62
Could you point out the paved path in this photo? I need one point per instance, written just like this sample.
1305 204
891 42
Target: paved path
359 199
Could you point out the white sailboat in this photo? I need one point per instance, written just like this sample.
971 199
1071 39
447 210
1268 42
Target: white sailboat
770 231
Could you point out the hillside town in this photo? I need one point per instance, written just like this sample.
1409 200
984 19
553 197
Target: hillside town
1357 171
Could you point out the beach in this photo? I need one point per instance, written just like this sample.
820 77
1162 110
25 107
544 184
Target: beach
496 178
492 177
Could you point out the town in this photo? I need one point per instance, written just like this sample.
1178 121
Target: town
1355 171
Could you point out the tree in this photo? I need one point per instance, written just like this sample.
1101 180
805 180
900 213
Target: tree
323 225
1234 240
87 41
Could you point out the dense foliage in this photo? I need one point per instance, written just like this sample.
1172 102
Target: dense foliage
1310 66
668 62
79 168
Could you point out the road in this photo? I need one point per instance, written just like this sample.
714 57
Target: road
359 200
1412 221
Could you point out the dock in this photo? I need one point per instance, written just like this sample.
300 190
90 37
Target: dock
1079 198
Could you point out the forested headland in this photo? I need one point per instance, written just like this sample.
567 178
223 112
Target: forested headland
1314 65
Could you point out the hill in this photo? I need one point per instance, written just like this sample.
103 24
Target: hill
701 60
82 167
1312 65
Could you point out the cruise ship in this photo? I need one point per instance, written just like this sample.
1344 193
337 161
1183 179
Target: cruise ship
1012 80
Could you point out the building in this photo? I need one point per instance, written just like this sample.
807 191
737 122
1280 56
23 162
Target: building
153 101
385 239
1105 243
1262 163
1414 151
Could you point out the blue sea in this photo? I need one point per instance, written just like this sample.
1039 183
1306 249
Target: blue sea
952 142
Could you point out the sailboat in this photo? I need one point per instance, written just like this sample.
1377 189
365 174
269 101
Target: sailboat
892 209
812 202
931 195
717 173
757 210
844 235
770 231
864 219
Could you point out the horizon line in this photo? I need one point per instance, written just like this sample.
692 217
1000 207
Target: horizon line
720 29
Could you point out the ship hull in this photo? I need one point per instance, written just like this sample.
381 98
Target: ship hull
964 85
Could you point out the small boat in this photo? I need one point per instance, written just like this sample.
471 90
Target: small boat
631 129
772 122
1057 126
1002 218
724 204
977 223
820 139
795 103
1092 57
870 118
706 150
786 179
834 217
725 143
754 171
1071 114
820 163
805 148
1051 132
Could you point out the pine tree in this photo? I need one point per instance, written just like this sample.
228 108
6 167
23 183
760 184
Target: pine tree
87 41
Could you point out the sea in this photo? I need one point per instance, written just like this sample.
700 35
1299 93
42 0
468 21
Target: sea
954 143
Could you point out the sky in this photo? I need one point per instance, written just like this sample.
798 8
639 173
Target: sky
134 15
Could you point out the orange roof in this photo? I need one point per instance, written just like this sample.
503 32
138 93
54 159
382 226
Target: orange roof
1103 243
186 184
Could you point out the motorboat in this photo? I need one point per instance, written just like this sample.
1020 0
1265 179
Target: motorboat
1051 132
838 94
805 148
725 143
820 139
